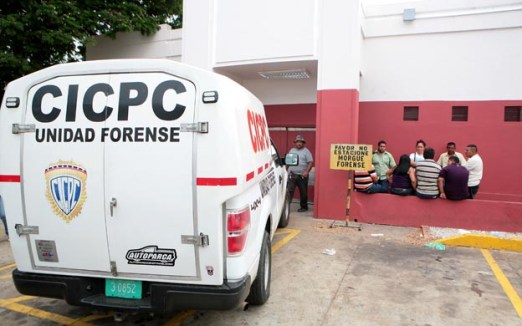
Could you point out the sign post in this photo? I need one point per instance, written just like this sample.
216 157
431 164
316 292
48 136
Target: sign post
350 157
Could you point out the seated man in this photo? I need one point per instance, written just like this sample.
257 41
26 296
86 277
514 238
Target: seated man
427 173
453 180
451 151
367 181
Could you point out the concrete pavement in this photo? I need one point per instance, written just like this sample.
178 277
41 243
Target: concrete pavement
380 275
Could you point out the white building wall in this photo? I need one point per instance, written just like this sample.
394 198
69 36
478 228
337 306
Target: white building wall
339 45
478 65
241 38
385 17
165 43
264 31
453 50
273 92
198 25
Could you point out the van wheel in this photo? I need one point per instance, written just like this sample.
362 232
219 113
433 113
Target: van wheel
260 289
285 214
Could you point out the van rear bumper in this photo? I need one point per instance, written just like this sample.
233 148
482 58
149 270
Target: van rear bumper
157 297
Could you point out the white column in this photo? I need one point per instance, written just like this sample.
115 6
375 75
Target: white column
339 44
198 31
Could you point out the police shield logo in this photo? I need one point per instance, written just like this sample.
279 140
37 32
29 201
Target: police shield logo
66 188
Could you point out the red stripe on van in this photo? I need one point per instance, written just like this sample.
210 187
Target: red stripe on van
259 170
216 181
9 178
250 176
266 165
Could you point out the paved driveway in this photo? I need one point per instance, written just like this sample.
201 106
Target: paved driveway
377 276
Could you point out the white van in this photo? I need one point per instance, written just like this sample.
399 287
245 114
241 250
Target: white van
139 185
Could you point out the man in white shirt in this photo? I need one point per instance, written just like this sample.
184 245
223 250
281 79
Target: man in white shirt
475 167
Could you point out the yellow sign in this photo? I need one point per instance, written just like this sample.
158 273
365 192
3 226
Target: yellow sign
350 157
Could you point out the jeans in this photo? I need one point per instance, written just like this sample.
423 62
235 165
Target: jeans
423 196
401 191
375 188
302 184
383 185
473 191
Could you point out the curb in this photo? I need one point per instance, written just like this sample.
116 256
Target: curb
483 241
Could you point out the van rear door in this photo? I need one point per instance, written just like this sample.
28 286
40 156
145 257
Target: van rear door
108 176
62 176
149 179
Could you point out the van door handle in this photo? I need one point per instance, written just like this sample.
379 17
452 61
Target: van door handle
113 204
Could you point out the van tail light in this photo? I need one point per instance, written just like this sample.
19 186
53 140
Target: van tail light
238 223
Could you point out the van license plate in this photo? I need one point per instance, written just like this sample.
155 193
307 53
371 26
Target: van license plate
123 288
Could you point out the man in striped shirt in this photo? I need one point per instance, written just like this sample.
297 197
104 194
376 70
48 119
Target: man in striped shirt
427 173
366 181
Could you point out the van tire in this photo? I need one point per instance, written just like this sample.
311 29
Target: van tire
260 289
285 214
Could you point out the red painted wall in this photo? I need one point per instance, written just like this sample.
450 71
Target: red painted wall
291 115
497 140
336 110
283 117
337 123
476 214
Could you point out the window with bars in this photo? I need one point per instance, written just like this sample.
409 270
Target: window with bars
411 113
513 113
459 113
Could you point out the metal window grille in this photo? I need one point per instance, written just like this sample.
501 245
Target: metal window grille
513 113
459 113
411 113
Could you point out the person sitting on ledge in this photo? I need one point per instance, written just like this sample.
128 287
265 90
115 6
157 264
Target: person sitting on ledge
451 151
427 173
418 155
367 181
382 160
402 177
453 180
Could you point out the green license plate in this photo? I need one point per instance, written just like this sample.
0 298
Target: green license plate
123 288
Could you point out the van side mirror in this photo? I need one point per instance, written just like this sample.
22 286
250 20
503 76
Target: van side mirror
291 159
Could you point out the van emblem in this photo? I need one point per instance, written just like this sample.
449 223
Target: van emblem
66 188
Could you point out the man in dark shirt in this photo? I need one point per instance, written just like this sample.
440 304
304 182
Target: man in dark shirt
453 180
